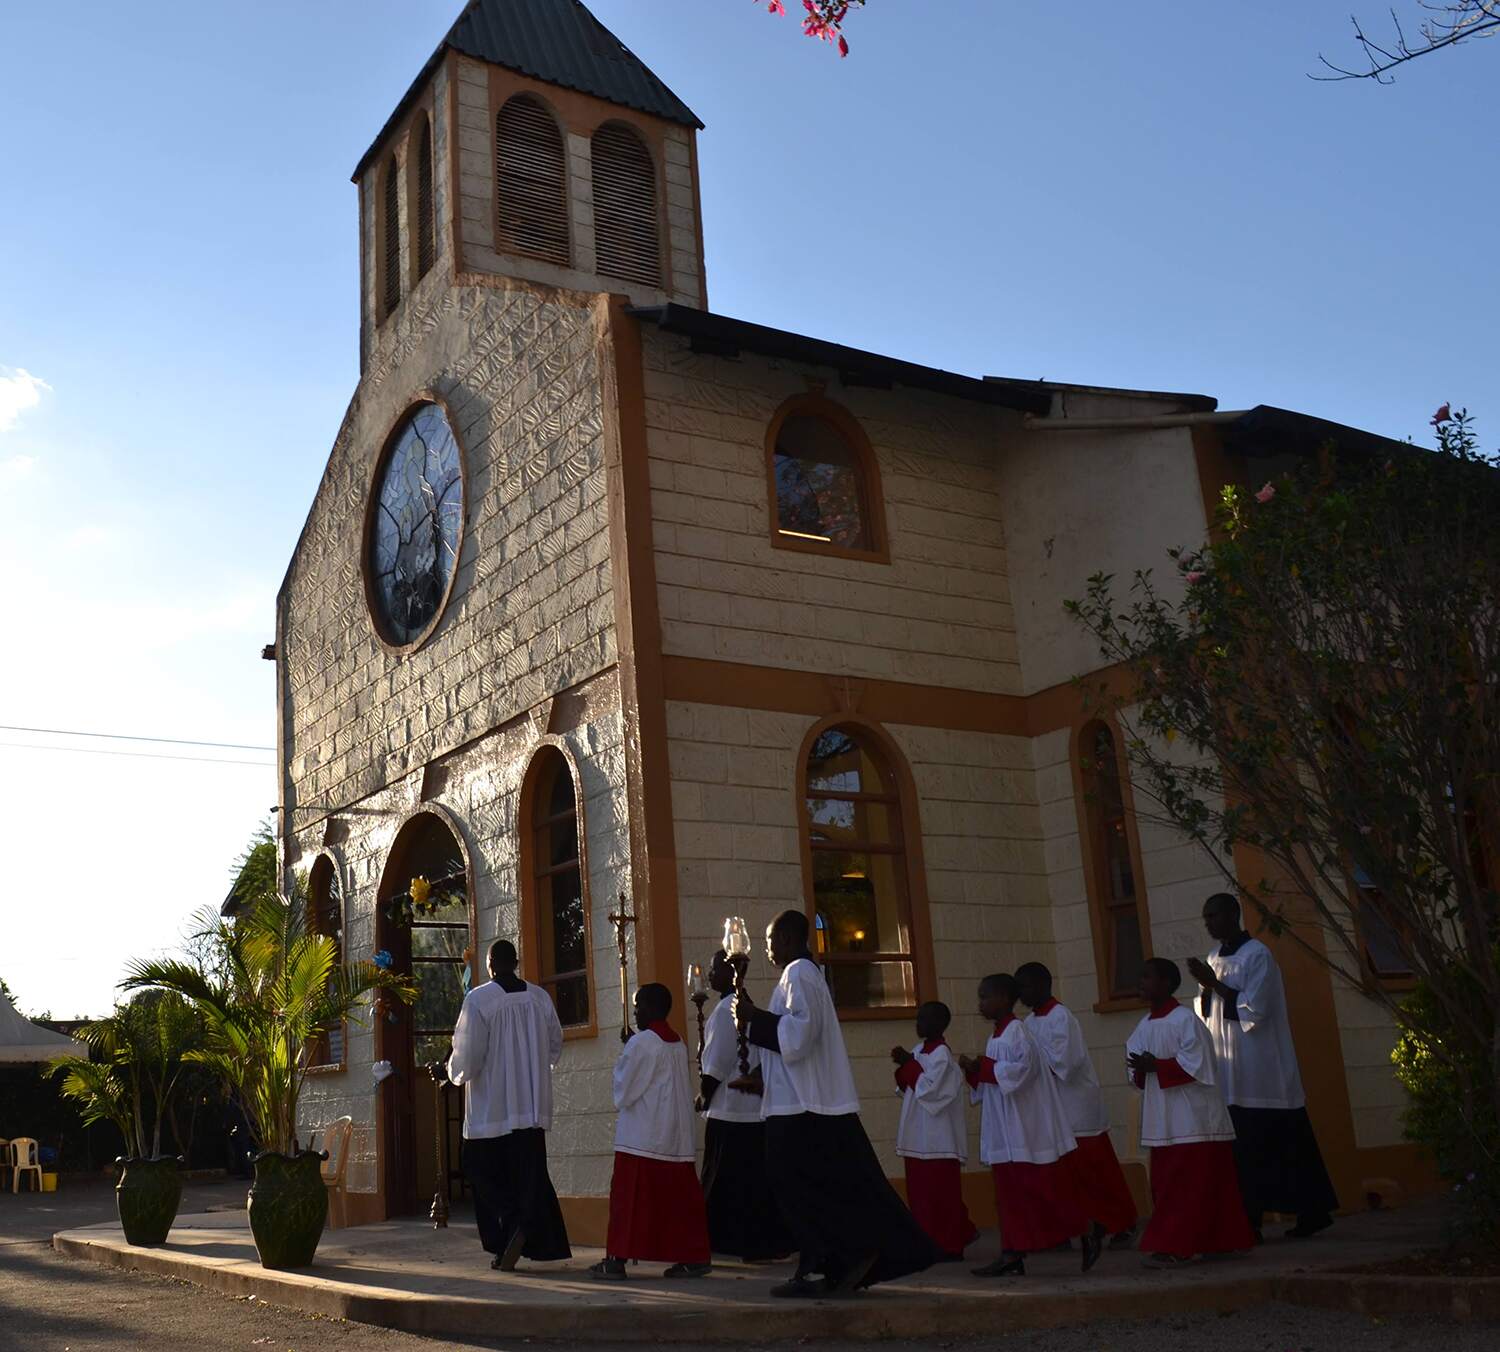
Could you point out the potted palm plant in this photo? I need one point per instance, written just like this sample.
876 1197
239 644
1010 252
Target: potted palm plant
136 1056
270 987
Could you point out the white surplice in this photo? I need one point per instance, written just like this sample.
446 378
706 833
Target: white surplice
721 1059
1060 1040
811 1073
654 1099
1021 1117
1188 1112
504 1048
932 1125
1257 1061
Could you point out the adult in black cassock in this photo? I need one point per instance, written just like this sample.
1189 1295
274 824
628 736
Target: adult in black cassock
850 1226
743 1217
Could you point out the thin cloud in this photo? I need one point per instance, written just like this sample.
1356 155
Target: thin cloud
16 467
19 391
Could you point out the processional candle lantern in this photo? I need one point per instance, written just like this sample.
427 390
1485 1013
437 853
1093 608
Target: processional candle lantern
737 950
697 986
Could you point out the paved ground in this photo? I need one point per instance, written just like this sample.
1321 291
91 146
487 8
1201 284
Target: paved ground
49 1303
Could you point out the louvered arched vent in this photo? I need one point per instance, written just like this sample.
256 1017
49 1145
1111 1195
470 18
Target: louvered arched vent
426 226
390 223
531 179
625 230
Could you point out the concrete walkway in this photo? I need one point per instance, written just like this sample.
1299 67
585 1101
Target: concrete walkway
404 1275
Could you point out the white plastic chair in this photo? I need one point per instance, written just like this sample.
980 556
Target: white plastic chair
336 1138
25 1158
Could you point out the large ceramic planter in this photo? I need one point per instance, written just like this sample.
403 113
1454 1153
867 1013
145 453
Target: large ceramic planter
147 1195
288 1208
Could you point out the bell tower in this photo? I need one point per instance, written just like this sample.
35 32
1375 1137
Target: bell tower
534 145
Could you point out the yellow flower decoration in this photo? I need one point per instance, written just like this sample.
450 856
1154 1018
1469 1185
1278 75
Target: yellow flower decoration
420 889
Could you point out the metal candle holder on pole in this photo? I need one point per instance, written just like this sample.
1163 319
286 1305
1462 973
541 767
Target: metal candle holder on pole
697 985
438 1215
737 951
620 919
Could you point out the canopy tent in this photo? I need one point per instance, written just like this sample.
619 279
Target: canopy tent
25 1043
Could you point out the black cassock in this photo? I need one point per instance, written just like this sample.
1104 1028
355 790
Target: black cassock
513 1189
743 1216
837 1200
1280 1166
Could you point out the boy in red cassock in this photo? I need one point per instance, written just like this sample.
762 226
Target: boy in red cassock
656 1211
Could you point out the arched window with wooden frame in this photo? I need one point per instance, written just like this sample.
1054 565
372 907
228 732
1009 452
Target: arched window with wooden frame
555 927
823 482
421 206
325 916
1119 918
531 181
862 870
627 235
389 241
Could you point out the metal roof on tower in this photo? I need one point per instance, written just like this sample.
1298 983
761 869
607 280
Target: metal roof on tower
557 41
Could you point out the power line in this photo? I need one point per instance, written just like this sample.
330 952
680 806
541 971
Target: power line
126 737
137 755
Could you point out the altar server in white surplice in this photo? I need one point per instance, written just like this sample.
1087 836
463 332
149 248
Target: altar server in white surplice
1024 1137
1195 1192
1243 1001
1101 1181
507 1040
932 1137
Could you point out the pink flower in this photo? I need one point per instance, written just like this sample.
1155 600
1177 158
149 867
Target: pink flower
1441 416
1267 492
775 7
1194 576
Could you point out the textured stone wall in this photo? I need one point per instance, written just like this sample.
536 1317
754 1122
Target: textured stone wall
481 790
531 611
939 613
531 614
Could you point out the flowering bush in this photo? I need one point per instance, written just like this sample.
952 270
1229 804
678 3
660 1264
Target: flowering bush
1328 667
824 19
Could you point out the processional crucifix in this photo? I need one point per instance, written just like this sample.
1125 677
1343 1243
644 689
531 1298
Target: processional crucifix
621 919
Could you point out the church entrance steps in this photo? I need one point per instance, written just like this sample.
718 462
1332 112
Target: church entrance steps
405 1275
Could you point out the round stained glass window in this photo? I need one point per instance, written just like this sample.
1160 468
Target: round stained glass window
418 520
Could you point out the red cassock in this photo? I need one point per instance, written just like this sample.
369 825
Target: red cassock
1101 1183
935 1195
1195 1201
656 1211
1038 1204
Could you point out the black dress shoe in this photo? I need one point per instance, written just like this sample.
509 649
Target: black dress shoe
1308 1226
798 1288
852 1277
1003 1267
1093 1245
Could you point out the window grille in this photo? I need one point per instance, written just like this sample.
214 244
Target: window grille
391 225
531 181
426 225
625 224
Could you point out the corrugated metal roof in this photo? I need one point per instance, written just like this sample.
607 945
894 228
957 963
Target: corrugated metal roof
558 41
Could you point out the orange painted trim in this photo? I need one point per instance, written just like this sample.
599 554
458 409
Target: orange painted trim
367 526
528 918
643 705
1093 862
919 914
872 497
788 690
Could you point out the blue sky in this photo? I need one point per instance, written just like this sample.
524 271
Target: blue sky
1152 196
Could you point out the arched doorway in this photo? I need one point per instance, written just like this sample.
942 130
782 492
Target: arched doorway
426 937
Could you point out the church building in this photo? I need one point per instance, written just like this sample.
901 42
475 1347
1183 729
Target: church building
608 604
